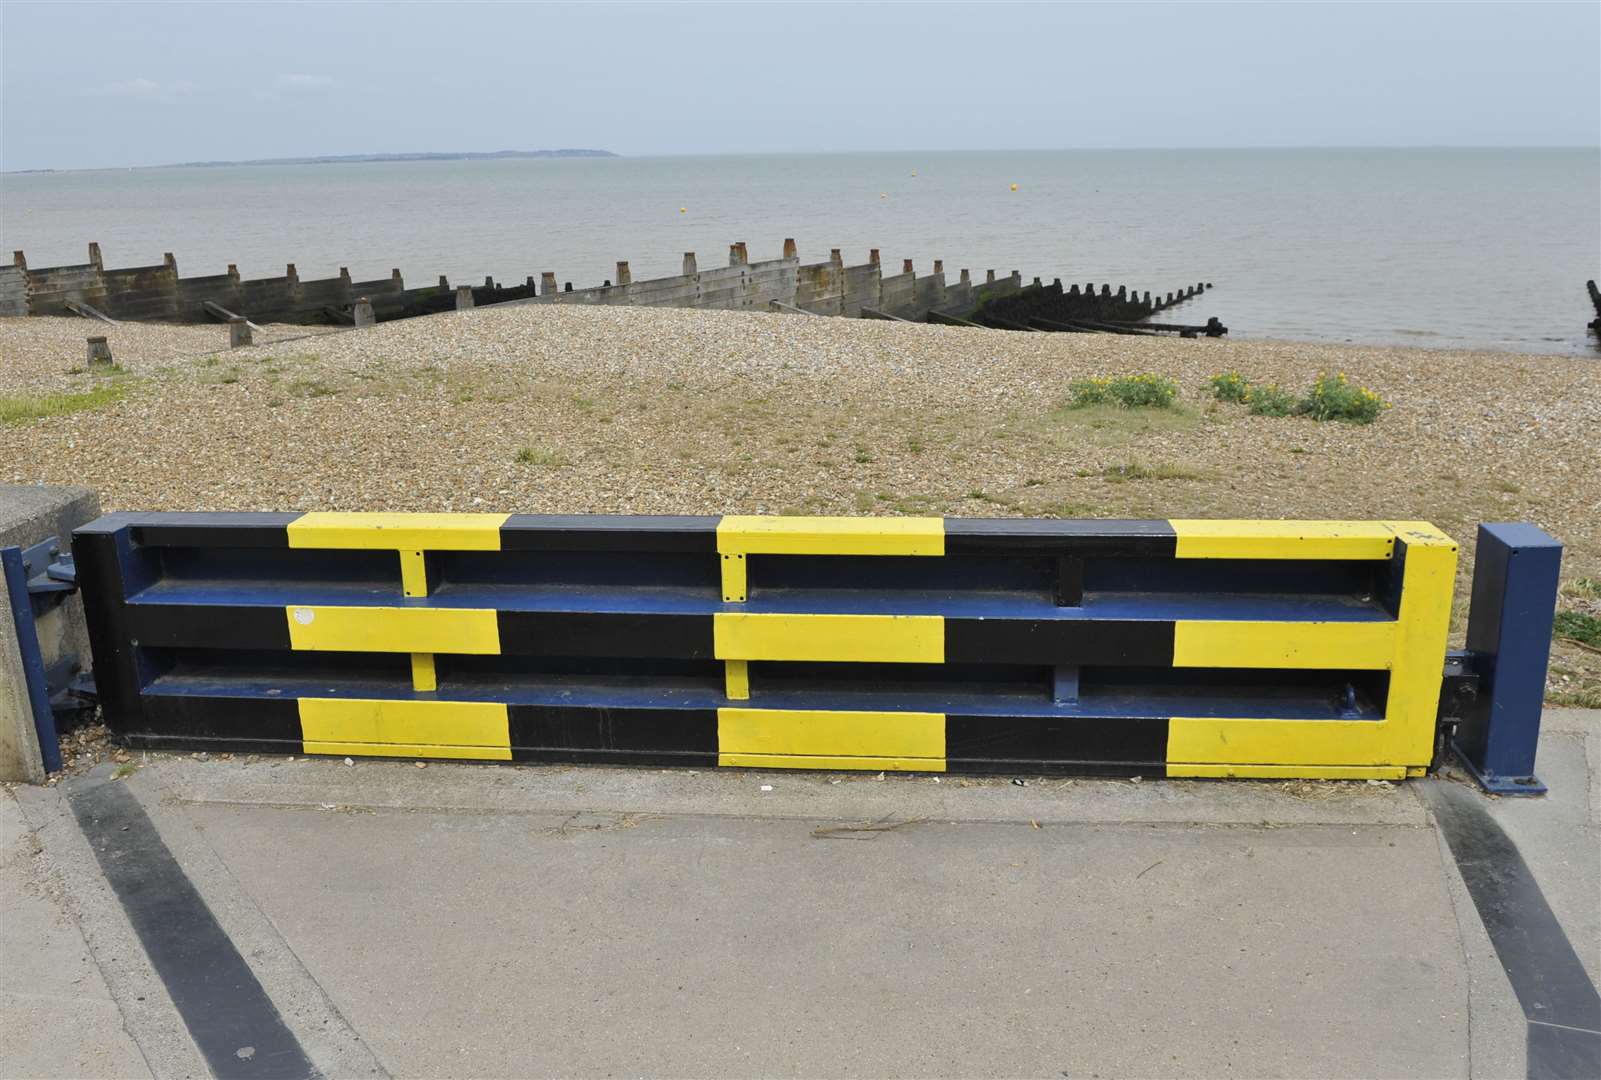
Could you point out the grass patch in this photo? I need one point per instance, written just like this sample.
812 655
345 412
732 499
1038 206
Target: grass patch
1584 588
1113 425
20 408
539 455
1069 510
310 388
1578 626
1582 698
1143 391
1133 470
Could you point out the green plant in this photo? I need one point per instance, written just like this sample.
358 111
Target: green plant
1578 626
1270 400
1230 386
1336 399
1144 391
538 455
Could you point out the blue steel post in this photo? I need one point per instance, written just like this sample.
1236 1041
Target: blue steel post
33 674
1509 636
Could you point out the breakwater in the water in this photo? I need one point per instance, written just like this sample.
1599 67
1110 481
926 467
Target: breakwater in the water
826 287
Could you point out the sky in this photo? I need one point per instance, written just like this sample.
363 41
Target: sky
88 85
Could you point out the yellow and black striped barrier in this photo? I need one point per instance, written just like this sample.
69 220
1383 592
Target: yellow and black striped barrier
1163 648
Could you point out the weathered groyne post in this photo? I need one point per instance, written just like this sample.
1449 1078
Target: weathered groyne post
362 312
239 332
464 297
547 282
624 275
99 353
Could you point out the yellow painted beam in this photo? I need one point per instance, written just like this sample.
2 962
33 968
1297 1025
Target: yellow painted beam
1225 539
766 535
1363 646
393 629
840 764
894 639
819 734
1213 741
445 729
394 532
1289 772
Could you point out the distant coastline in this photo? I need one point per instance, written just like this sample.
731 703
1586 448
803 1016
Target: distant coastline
349 159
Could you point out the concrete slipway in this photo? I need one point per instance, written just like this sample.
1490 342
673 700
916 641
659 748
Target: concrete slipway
500 921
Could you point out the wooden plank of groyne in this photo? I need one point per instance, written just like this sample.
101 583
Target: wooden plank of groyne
77 307
217 311
787 309
942 319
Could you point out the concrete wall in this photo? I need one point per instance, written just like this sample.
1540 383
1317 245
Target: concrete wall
29 514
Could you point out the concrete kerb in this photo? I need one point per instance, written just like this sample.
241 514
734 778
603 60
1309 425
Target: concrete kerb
843 797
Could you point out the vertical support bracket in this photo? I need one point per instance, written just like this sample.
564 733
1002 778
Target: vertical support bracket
1509 635
414 582
1064 684
734 587
736 673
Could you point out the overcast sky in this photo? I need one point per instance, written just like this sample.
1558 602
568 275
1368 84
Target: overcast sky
89 85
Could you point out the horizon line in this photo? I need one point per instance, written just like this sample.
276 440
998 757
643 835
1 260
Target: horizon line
399 157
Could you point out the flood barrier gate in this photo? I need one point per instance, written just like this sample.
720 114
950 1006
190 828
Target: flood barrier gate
1182 648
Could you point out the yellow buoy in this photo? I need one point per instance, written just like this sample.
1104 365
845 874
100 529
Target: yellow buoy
682 210
883 194
914 172
1014 187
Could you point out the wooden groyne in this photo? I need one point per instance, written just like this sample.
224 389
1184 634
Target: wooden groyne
159 294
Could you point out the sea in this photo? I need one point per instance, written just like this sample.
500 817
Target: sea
1438 248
